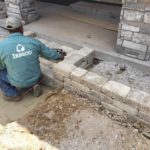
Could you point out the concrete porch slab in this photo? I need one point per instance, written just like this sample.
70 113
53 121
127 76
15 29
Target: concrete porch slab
63 24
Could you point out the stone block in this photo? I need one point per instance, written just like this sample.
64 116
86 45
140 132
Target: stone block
69 88
126 34
80 87
13 10
13 6
101 97
77 73
116 90
43 40
63 69
130 28
139 100
112 108
74 59
46 62
147 17
66 48
58 76
58 84
53 45
127 108
76 85
141 38
144 116
119 42
93 81
132 15
30 34
134 46
91 98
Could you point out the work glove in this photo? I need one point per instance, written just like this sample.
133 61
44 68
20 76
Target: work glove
61 53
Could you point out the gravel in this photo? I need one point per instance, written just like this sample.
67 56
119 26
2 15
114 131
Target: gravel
123 73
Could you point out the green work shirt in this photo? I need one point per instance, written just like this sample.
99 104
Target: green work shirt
19 55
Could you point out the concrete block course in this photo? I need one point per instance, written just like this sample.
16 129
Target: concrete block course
115 96
74 59
101 97
53 45
139 100
116 90
46 62
93 81
127 108
64 69
66 48
144 116
77 74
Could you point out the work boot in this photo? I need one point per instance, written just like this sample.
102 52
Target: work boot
11 98
37 90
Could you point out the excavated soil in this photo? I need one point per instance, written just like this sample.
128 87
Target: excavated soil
72 123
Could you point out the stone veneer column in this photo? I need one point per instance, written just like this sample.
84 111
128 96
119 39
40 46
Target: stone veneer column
2 10
134 29
26 9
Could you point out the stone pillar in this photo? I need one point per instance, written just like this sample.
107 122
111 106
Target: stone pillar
2 10
26 9
134 29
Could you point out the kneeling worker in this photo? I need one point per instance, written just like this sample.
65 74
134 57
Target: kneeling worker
19 60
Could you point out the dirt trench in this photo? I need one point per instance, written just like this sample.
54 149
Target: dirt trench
70 122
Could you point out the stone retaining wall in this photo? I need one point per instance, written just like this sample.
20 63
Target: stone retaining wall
71 74
26 9
134 33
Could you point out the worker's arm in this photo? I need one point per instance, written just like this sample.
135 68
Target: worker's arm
49 53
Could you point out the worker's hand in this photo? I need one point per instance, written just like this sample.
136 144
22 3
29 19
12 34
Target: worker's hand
62 53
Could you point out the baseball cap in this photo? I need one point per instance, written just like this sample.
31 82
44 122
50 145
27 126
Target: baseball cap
13 22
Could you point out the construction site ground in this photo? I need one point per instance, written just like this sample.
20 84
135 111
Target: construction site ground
69 122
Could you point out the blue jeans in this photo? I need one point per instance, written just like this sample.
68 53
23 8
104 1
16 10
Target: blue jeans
5 85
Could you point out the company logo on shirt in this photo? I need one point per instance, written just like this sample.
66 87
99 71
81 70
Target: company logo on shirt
21 52
20 48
